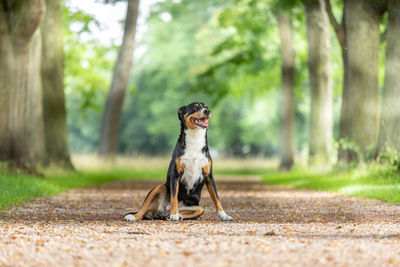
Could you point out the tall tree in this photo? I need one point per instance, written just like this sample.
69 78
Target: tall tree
21 122
321 113
389 134
108 145
359 37
288 91
52 75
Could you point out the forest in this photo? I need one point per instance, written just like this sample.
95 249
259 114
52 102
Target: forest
309 83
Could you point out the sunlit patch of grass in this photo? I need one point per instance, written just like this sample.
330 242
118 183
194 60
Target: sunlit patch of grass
373 191
374 181
17 189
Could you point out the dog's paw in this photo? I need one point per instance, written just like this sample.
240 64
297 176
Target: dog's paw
224 217
175 217
130 218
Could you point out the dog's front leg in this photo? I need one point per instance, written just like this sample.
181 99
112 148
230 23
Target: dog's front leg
212 189
175 216
174 188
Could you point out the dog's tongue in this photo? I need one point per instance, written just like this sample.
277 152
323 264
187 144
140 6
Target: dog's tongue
204 122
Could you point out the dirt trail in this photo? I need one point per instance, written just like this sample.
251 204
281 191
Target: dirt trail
273 226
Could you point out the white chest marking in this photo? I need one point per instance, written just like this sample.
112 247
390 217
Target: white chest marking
194 159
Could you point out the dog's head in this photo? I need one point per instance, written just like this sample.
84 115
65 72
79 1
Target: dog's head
194 116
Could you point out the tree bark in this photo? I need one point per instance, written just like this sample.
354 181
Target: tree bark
389 135
52 74
359 37
21 122
360 107
108 144
321 113
288 90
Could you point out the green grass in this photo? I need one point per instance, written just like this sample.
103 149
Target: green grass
240 171
17 189
379 182
375 181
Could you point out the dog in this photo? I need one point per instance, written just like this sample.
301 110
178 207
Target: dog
189 170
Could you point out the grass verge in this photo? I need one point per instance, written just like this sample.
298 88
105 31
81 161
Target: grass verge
17 189
373 181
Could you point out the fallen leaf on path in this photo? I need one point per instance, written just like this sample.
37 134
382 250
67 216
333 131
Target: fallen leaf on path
270 233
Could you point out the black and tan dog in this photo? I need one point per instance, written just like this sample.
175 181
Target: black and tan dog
190 168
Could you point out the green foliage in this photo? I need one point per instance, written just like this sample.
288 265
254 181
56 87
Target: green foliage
363 156
88 69
390 156
222 52
166 74
247 59
372 181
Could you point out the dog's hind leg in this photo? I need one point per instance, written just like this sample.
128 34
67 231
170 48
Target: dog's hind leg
191 213
150 205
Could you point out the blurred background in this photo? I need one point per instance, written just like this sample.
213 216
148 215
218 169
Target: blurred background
294 81
303 93
185 52
175 43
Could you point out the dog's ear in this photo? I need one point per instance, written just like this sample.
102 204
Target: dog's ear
181 112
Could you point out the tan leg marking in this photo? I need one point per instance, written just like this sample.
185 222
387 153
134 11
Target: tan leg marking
213 195
149 200
174 201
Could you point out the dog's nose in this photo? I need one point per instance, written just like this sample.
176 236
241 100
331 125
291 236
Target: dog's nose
206 112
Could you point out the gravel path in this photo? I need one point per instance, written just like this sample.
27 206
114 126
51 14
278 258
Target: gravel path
273 226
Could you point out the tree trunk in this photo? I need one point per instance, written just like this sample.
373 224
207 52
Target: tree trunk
343 154
108 144
288 90
21 122
321 114
52 74
360 107
359 37
389 136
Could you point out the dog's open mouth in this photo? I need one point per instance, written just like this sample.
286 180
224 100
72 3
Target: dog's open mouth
201 122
